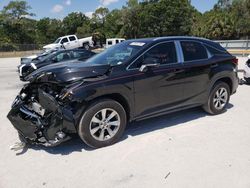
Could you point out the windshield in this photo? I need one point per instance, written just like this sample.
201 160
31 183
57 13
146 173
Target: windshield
57 41
117 54
46 56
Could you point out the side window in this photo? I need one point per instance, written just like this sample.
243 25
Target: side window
79 54
64 40
193 51
72 38
164 53
215 51
62 57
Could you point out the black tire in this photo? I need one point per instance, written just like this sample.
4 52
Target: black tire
247 80
210 106
86 46
90 112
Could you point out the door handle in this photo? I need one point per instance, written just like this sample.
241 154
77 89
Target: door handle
214 65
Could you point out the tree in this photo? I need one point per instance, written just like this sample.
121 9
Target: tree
131 19
17 10
241 15
73 21
166 17
113 24
48 30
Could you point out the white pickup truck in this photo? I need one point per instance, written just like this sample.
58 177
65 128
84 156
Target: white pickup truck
70 42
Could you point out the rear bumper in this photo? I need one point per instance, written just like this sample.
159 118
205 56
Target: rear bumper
49 130
235 83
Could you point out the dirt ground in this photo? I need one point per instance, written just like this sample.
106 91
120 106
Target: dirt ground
184 149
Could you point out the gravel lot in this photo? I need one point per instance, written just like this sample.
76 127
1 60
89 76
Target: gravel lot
185 149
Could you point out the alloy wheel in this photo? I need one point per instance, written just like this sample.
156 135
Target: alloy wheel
105 124
220 98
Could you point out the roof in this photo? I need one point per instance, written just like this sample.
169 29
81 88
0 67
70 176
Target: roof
170 38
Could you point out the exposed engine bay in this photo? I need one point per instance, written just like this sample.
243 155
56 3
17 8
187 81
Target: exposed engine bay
38 116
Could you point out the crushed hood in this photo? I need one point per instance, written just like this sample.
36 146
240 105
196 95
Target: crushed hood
67 72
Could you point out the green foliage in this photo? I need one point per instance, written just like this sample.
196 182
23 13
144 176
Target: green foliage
166 17
73 21
16 10
229 19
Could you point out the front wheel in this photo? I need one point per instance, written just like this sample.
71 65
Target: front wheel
218 99
103 123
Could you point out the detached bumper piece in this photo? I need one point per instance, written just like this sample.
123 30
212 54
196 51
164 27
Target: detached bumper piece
48 129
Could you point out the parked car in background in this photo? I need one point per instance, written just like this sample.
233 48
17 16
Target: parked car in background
113 41
54 57
247 71
28 59
134 80
70 42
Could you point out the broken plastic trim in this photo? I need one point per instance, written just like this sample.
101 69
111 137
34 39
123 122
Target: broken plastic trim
35 129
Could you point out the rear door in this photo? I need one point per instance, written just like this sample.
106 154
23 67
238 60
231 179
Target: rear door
197 65
73 42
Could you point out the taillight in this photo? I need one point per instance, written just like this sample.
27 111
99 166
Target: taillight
235 61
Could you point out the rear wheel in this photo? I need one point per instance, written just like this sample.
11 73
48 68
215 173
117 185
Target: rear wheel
103 123
218 98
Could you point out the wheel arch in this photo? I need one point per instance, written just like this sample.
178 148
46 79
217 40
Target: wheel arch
223 78
118 98
113 96
228 81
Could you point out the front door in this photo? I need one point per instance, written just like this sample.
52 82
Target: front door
159 88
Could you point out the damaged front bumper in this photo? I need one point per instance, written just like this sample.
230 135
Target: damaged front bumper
41 119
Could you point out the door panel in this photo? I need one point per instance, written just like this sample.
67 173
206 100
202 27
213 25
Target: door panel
197 80
197 68
159 89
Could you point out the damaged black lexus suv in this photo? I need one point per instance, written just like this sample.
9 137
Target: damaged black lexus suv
133 80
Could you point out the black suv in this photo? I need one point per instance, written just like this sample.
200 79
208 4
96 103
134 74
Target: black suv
58 56
133 80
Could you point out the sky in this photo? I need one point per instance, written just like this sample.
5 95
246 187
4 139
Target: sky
61 8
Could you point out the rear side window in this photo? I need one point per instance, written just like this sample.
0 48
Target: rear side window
193 51
72 38
64 56
215 51
77 54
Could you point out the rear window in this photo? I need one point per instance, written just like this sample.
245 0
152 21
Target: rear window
72 38
193 51
215 51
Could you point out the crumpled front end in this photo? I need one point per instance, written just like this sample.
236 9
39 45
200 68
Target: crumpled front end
40 118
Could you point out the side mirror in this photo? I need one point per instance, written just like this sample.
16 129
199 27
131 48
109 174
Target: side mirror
149 63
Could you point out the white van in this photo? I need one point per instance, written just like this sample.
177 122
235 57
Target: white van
113 41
